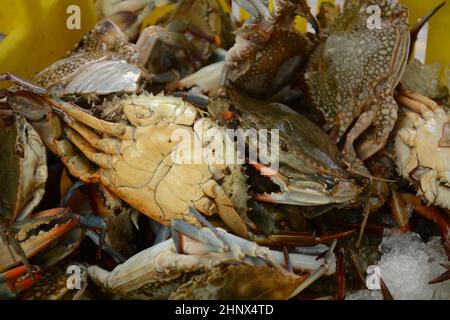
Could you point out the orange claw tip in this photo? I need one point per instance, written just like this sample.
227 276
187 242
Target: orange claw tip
13 273
263 169
217 40
263 197
50 212
27 282
11 277
228 115
331 237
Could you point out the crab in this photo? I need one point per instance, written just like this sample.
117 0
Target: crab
23 174
24 234
103 149
422 148
311 169
353 72
145 179
195 264
184 41
268 52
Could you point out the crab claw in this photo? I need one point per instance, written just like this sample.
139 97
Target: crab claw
32 239
307 191
16 280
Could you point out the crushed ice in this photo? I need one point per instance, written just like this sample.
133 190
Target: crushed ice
407 265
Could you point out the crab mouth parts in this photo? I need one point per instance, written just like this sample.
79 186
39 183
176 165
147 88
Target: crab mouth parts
37 234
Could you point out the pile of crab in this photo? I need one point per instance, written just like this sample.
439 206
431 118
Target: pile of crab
94 202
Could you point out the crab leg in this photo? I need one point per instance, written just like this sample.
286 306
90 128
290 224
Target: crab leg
296 239
150 37
398 208
78 165
103 160
340 275
328 266
22 82
118 130
11 242
283 7
73 188
162 235
384 124
414 101
107 145
385 290
208 241
202 235
362 124
256 8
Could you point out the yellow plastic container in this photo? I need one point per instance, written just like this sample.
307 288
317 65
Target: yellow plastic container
37 33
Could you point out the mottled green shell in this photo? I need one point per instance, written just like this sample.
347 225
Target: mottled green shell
64 68
262 69
357 63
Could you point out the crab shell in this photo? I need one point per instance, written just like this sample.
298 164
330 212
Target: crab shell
160 272
227 283
353 72
310 168
23 170
92 73
135 157
422 150
267 55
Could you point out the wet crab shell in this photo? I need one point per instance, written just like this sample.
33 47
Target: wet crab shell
23 170
213 264
92 73
353 72
146 166
422 151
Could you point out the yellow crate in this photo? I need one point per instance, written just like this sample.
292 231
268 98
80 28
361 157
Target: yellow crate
37 34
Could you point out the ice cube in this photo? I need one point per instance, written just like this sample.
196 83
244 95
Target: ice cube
407 265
